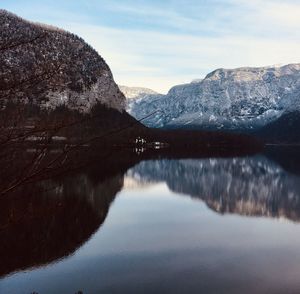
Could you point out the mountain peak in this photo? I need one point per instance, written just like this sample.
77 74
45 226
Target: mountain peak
136 92
246 97
252 73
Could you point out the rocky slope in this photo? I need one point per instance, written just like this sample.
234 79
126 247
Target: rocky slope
242 98
135 95
63 68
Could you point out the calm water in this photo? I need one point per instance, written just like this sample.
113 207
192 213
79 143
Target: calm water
165 226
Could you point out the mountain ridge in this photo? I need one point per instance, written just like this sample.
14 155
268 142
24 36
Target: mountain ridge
226 99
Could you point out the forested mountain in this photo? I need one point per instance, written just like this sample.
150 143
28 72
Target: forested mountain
50 67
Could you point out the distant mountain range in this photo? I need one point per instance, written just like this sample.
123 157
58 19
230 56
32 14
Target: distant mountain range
241 100
53 80
136 92
65 70
51 67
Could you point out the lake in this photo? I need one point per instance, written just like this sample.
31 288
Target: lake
210 225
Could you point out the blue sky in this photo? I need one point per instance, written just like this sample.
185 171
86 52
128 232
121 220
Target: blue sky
158 44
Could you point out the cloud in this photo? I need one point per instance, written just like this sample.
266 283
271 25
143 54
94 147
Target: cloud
160 60
274 18
161 43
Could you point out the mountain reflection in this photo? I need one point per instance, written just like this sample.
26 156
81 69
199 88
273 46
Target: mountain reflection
50 220
45 223
254 186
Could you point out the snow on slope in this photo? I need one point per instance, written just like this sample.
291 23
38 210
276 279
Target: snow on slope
64 69
226 99
136 94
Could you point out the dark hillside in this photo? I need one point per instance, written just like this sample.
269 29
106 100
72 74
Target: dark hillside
63 68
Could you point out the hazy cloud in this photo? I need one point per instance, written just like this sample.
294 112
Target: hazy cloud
161 43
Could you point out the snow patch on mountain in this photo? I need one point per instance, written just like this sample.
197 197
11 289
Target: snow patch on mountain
136 92
135 95
248 97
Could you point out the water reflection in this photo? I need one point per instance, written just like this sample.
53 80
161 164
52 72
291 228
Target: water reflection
51 220
253 186
42 224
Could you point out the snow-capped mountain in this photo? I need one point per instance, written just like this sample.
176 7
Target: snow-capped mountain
51 67
226 99
134 95
136 92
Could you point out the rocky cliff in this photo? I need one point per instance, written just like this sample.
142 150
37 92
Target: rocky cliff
242 98
50 67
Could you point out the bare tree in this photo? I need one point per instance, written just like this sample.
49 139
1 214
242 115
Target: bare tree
35 142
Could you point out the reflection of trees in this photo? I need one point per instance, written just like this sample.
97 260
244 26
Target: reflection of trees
51 220
57 137
247 186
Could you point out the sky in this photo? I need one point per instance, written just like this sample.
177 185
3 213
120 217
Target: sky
160 43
